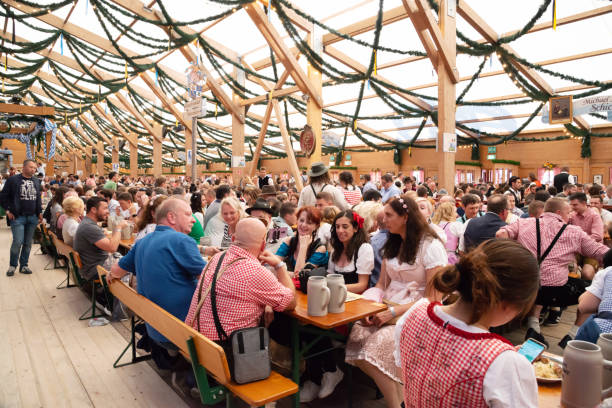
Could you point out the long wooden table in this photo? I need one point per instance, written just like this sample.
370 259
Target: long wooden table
323 326
549 395
126 243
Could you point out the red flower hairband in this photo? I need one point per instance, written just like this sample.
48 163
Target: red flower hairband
358 219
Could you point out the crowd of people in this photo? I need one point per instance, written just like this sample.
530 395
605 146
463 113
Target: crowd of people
452 266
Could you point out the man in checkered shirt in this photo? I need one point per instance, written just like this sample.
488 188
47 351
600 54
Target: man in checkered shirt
246 287
557 289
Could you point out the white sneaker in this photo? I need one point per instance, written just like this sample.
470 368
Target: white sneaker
309 391
329 382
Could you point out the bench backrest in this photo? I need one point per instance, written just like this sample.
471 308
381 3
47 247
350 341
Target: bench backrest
61 247
210 354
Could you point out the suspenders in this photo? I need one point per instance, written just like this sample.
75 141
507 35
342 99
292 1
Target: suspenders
552 244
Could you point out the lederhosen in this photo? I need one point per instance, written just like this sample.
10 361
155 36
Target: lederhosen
565 295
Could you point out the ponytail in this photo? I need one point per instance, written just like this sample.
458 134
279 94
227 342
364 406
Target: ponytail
494 272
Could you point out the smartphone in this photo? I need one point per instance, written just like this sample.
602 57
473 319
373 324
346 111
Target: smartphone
276 234
532 349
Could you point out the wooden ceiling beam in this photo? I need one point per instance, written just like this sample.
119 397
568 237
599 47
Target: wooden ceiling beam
111 119
490 35
282 51
357 66
27 110
153 132
417 18
91 38
428 21
92 124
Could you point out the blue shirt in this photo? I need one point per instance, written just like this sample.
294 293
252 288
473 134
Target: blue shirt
167 265
317 258
390 192
377 241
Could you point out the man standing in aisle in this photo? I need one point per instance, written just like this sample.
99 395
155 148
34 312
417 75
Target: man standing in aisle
21 199
263 179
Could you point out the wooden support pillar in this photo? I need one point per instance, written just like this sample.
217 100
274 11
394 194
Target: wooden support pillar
75 163
586 171
88 165
133 157
50 171
157 152
100 162
446 98
115 153
188 142
238 133
313 111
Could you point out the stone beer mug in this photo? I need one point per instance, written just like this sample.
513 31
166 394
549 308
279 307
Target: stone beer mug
337 292
582 374
605 342
318 296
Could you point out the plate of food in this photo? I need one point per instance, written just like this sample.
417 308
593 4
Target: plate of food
547 371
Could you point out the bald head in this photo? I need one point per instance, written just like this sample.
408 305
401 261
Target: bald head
250 233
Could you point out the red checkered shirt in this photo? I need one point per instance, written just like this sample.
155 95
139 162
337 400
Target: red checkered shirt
590 222
553 270
243 291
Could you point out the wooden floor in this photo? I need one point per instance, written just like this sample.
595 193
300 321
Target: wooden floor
48 358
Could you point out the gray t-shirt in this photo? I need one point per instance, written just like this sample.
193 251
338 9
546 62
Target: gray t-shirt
85 238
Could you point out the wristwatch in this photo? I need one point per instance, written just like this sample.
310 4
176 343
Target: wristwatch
280 265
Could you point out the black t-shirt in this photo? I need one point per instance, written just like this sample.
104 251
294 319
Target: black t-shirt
27 196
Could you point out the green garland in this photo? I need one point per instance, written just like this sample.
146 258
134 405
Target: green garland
503 161
468 163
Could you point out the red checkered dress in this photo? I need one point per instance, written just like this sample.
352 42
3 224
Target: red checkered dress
243 291
443 366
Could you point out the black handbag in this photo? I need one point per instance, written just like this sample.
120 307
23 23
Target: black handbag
308 271
246 350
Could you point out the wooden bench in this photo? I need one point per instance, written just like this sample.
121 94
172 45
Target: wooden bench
63 250
207 357
47 243
74 266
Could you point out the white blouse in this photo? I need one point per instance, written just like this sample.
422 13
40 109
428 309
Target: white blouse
69 230
365 262
147 230
510 380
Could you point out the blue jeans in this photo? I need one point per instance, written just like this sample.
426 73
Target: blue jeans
23 230
589 331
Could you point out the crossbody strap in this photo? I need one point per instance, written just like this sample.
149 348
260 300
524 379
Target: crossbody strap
552 244
213 297
202 298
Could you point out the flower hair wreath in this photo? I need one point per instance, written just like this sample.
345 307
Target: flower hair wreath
358 219
402 202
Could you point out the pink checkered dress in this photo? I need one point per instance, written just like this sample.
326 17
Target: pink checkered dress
443 366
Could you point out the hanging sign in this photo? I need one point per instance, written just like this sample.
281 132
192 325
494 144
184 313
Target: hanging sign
238 161
307 141
584 106
115 167
492 149
450 143
194 108
189 157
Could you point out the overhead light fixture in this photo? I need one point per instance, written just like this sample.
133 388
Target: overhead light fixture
305 97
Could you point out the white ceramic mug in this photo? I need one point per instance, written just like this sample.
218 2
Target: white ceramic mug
582 373
605 342
318 296
337 292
